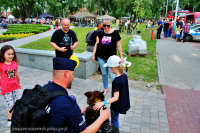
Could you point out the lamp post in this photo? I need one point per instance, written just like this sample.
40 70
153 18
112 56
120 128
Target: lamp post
194 8
176 12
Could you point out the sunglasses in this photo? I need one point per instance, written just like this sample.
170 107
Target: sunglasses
106 25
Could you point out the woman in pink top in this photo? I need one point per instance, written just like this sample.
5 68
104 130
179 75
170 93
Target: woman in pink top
9 77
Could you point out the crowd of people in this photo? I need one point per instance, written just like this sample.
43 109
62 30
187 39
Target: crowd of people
167 27
64 110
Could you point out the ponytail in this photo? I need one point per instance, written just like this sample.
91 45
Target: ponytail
121 68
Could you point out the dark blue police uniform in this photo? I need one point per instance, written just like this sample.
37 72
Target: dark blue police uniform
65 114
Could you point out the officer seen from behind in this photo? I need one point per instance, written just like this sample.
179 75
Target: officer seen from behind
64 111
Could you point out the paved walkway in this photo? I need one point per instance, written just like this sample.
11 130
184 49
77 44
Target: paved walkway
179 74
22 41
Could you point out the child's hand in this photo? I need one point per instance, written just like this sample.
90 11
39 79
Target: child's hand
20 86
98 105
83 110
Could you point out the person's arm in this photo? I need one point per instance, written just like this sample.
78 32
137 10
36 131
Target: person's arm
119 47
95 48
18 78
93 128
98 105
62 49
72 47
0 82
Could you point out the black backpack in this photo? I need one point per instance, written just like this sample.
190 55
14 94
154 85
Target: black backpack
30 112
87 40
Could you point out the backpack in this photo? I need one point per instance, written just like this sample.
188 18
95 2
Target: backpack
30 112
87 40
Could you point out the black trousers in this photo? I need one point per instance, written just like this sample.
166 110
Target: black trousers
184 36
159 32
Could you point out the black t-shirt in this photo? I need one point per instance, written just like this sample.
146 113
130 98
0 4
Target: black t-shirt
120 84
179 23
63 39
166 26
107 44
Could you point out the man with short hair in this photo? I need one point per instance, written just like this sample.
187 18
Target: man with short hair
64 40
65 114
159 28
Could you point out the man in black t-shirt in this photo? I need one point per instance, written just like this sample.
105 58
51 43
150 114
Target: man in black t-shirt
64 40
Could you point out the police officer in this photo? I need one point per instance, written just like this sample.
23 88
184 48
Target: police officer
65 114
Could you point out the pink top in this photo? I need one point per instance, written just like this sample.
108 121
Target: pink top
8 77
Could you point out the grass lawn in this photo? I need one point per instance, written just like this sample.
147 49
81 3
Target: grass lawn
142 68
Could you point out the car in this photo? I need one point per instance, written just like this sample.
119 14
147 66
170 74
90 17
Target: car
194 33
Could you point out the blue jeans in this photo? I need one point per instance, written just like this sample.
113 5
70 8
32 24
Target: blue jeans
165 34
170 32
105 71
115 118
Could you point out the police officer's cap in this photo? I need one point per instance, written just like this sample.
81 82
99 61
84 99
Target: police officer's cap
63 64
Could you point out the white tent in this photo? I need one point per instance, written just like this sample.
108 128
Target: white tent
106 16
11 16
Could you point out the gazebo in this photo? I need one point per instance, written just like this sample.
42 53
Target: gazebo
106 16
82 15
46 15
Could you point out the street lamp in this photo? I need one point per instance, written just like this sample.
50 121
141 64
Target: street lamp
194 8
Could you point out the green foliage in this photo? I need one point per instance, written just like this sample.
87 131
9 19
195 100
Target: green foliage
32 28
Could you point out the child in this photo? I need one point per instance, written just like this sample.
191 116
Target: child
178 35
9 77
120 101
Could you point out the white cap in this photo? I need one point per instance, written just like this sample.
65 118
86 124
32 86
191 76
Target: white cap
113 61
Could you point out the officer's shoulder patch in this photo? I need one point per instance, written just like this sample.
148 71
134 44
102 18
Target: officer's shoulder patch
72 98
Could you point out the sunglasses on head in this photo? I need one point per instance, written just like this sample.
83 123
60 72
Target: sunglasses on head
106 25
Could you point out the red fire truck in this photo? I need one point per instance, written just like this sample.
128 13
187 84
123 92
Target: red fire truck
180 13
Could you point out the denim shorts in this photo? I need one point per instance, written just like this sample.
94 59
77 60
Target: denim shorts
178 35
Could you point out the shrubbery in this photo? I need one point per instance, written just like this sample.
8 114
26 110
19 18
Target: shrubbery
31 28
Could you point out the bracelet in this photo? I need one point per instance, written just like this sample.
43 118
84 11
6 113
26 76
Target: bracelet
105 102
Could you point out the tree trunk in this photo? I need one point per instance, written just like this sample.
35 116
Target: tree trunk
135 17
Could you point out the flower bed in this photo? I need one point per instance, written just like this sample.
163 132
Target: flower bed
9 37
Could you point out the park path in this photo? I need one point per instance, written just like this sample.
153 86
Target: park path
179 74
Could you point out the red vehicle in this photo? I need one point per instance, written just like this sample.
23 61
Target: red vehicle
180 13
194 17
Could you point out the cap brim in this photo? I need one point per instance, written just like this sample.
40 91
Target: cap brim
105 65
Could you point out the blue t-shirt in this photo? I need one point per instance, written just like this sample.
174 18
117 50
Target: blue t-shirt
159 22
65 114
120 84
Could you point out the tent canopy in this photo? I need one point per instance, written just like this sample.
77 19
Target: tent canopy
82 15
11 16
106 16
46 15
